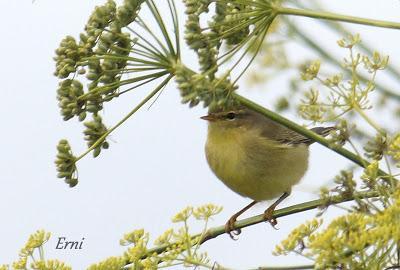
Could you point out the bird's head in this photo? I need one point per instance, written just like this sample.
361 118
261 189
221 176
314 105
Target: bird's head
234 118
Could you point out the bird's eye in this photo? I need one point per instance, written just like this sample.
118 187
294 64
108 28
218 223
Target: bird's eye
230 116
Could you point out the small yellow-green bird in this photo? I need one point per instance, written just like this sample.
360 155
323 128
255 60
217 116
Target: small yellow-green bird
256 157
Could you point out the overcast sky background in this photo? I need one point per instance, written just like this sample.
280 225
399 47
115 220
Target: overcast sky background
155 165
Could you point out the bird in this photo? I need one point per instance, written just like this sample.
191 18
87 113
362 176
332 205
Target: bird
255 157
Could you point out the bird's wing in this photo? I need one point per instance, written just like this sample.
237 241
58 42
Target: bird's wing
291 137
283 135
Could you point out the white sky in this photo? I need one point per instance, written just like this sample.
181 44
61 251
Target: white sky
155 165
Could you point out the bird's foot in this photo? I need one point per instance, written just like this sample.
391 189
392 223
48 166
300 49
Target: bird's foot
230 228
269 216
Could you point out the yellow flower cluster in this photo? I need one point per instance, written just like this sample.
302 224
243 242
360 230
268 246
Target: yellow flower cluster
206 211
27 253
394 148
311 70
345 93
112 263
49 265
352 241
296 238
183 215
173 247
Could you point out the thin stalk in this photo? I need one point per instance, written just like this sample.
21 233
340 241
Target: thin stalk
127 58
336 17
151 48
41 253
252 39
235 48
368 119
145 27
105 88
389 169
136 86
156 14
252 42
175 21
260 40
144 101
131 70
354 148
147 55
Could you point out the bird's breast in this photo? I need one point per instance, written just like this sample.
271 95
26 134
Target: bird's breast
252 165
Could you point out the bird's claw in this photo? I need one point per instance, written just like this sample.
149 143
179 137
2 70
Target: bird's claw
268 216
231 230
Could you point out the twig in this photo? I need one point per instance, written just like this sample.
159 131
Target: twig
297 208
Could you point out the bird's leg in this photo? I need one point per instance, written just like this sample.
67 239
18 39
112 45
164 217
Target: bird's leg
268 214
230 224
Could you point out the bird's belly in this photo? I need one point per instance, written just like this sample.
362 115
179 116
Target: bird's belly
255 171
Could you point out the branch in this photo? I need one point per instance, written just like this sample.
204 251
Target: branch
297 208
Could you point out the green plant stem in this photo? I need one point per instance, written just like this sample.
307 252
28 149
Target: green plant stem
336 17
368 119
312 44
297 208
144 101
100 90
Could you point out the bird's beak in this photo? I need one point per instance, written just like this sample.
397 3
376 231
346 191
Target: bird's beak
209 117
